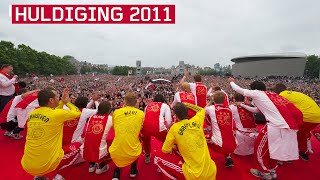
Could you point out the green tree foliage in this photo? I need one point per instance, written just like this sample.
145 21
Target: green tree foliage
27 60
208 72
312 66
123 70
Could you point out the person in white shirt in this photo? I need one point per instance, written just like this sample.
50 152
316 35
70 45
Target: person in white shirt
246 131
8 116
277 140
7 88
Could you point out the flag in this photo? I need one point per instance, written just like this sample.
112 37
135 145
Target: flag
150 86
25 107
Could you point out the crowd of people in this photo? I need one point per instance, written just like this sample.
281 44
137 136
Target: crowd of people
69 119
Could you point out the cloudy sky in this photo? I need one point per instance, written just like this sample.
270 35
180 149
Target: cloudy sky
206 32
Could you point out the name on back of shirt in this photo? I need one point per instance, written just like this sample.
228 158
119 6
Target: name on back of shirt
130 113
188 125
38 116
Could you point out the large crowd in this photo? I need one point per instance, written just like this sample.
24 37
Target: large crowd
113 87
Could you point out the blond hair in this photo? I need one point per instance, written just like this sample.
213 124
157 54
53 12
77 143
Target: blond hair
185 87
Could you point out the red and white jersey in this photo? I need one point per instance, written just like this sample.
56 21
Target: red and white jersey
9 112
157 117
95 145
221 125
200 92
278 111
243 118
73 129
25 107
185 97
283 120
226 97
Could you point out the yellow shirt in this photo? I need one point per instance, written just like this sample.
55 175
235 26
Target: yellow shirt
308 107
188 135
126 147
43 149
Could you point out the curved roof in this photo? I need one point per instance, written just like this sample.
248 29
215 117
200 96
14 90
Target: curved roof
269 57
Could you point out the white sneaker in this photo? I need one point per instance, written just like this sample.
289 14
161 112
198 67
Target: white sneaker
17 136
102 170
92 168
58 177
7 133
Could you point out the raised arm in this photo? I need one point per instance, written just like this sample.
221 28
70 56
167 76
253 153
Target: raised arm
24 95
238 89
200 112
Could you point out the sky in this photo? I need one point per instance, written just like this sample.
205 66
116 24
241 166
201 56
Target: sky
206 32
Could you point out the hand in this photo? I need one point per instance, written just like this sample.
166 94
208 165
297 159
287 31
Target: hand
186 73
175 147
15 76
230 80
65 96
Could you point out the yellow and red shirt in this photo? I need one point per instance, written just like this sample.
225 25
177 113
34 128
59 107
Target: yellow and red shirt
43 149
126 147
188 135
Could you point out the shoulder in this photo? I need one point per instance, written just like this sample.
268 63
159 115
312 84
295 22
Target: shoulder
140 112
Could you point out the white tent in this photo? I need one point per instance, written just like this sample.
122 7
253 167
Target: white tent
157 80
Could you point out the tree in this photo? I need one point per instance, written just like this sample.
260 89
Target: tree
123 70
27 60
312 66
208 72
217 66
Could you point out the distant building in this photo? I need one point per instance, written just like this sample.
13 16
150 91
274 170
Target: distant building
286 64
181 67
138 68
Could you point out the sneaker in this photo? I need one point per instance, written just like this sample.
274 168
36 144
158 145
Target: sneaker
8 133
40 178
147 159
262 175
116 174
92 167
229 162
58 177
304 156
17 136
133 170
103 169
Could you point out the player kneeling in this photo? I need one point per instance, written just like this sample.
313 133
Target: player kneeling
95 147
187 136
